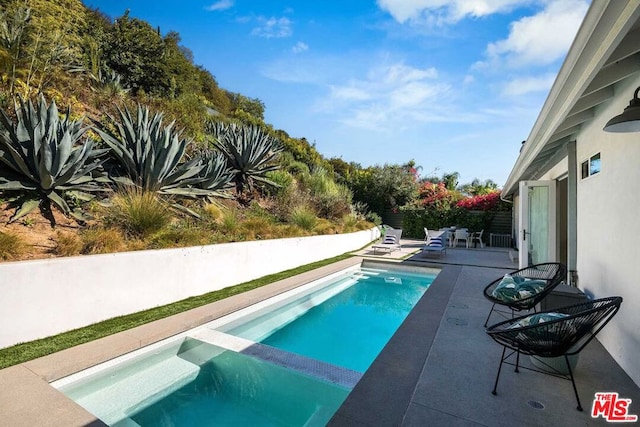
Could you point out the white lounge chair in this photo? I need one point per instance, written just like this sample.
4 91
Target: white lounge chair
390 241
436 244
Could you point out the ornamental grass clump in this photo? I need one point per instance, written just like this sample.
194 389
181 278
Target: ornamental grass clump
12 246
106 240
138 212
303 217
67 244
182 235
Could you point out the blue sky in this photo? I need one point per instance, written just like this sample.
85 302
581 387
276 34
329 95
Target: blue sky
455 85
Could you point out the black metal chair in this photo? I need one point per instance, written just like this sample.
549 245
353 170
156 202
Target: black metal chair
553 273
560 337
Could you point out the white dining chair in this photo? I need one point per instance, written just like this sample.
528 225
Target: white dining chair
461 235
477 237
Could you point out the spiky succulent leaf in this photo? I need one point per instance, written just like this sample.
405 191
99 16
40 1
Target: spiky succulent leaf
249 151
46 155
24 209
59 201
152 155
216 175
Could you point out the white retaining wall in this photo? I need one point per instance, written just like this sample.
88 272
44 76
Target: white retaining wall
45 297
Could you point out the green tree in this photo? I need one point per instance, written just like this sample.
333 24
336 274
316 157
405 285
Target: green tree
178 65
478 188
450 180
384 187
135 50
344 172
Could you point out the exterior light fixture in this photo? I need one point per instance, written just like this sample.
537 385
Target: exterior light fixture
629 120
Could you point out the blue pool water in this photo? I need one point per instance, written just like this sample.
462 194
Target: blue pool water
291 362
350 328
236 390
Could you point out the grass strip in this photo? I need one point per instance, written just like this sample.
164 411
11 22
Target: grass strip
24 352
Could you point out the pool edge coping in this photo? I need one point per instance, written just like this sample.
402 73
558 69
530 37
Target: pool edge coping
399 364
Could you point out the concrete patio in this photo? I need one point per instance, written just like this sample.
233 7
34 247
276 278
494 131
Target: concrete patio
437 370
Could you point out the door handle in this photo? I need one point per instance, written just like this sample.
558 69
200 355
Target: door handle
524 234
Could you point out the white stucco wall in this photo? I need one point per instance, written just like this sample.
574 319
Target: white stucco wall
608 225
45 297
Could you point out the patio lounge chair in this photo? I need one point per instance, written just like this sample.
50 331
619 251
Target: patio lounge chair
390 241
563 332
521 290
436 244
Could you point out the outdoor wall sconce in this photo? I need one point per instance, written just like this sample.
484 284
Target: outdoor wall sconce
629 120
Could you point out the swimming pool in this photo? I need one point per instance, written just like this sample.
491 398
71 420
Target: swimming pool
291 360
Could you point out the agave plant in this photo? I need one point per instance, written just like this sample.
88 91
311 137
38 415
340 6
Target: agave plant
249 151
150 156
44 159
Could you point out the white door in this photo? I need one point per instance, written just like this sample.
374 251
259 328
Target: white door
537 224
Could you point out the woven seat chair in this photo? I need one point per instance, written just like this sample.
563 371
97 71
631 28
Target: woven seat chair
561 332
553 273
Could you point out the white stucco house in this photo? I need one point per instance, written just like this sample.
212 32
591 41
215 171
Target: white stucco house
575 187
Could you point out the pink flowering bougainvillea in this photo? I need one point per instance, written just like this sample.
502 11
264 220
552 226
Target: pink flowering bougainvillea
484 202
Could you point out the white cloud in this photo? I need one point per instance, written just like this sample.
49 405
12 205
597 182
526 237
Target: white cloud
349 93
540 39
524 85
273 27
390 96
300 47
445 11
220 5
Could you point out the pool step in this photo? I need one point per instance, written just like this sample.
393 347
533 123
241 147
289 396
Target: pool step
113 403
331 373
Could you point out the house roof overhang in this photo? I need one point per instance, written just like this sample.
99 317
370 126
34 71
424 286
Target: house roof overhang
606 50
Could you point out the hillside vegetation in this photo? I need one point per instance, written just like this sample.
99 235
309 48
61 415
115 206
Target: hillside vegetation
112 138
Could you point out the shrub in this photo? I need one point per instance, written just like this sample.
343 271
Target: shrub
298 168
484 202
373 218
250 153
324 226
349 222
283 180
330 199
